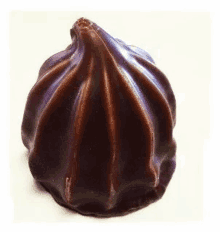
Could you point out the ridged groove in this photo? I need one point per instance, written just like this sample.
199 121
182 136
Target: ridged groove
40 85
140 109
51 105
133 95
57 58
46 76
159 97
50 74
113 181
162 84
77 133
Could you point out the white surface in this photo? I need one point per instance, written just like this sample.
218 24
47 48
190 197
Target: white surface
180 44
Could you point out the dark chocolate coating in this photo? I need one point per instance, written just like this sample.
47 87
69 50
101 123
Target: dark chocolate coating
98 125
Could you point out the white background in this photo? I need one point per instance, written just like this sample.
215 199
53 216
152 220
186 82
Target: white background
180 44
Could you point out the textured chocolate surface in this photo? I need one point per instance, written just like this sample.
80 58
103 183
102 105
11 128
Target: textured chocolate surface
98 125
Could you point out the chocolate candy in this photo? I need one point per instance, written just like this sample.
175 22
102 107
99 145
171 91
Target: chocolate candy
98 125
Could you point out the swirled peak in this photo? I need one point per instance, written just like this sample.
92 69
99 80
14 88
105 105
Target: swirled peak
98 125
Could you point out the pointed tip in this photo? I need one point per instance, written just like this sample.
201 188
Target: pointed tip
83 22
